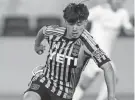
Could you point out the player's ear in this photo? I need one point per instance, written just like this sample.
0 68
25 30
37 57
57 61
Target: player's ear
85 23
66 22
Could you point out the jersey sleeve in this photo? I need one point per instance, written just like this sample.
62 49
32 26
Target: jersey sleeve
94 13
50 31
93 49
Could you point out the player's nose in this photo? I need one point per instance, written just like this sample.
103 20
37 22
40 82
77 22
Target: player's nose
74 27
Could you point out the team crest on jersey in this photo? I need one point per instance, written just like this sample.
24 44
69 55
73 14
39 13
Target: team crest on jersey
76 48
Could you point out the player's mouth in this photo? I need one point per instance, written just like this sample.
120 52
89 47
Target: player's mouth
75 34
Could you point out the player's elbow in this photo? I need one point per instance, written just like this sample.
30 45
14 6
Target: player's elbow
107 66
129 31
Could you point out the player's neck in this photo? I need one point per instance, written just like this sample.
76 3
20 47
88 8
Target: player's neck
67 36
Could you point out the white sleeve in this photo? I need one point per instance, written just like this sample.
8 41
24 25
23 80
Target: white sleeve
126 20
94 13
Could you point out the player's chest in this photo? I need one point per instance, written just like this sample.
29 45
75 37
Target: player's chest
64 50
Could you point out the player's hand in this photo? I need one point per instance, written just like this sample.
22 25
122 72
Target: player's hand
39 49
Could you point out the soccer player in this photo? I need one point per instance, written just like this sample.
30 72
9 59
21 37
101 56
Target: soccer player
107 20
70 48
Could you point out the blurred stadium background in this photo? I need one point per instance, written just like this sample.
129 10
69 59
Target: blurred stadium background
19 22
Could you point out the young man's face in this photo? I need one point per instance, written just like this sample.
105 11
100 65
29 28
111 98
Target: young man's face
118 3
76 29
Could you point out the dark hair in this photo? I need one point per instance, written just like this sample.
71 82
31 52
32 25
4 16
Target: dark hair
75 12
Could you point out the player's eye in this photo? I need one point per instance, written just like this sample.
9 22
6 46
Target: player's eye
71 23
79 23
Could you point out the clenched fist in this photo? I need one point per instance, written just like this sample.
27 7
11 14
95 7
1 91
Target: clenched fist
39 49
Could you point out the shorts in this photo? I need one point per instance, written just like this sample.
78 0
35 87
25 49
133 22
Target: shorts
36 86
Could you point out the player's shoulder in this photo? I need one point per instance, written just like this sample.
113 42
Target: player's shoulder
87 37
95 8
123 11
86 34
53 30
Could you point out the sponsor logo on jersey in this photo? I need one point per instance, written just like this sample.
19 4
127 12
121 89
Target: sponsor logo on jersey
60 58
76 48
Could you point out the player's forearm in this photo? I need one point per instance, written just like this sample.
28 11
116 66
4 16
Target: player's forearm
129 32
39 38
110 79
128 29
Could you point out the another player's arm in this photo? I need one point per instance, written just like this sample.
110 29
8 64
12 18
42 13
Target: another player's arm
103 62
126 24
39 38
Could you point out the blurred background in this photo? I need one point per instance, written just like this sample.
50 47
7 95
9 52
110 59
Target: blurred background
19 22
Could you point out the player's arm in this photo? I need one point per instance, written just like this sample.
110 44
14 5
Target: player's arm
126 24
39 48
102 61
110 79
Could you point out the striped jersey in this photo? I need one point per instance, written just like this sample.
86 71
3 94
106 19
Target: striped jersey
67 59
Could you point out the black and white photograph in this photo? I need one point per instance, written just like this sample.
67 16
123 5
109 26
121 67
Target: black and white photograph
67 49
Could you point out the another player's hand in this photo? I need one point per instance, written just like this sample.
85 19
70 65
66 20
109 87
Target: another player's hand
39 49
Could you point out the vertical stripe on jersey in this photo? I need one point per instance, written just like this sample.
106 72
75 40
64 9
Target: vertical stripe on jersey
75 52
69 66
57 64
56 67
64 67
47 62
54 48
60 79
64 51
69 69
54 63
